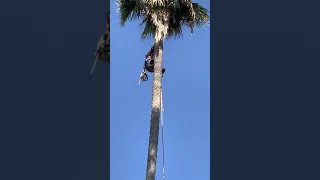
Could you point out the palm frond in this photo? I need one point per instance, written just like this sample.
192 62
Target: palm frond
175 25
149 28
201 15
181 13
181 16
190 15
128 10
155 2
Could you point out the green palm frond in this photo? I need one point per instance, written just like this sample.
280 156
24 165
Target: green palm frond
182 13
176 27
129 10
149 28
180 16
201 15
155 2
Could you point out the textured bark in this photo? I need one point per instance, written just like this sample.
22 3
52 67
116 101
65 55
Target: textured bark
155 112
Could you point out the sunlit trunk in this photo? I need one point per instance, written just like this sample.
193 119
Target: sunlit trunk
155 112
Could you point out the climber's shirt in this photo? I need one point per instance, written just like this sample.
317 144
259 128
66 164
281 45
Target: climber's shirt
149 64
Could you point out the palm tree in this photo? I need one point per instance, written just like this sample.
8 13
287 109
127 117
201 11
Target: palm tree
103 46
161 19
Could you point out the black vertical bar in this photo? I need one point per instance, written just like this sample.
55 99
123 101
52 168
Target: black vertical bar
54 122
265 90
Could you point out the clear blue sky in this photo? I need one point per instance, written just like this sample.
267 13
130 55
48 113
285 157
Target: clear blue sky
186 98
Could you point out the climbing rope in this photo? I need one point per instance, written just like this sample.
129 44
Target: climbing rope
161 116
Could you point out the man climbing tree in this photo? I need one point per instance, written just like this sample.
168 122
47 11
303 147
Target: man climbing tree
149 65
161 19
103 46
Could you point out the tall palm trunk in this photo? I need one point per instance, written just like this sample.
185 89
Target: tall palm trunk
155 112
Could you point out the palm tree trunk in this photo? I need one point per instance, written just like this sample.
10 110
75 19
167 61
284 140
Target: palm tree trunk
155 112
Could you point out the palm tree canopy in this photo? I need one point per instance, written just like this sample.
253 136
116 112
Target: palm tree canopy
182 13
